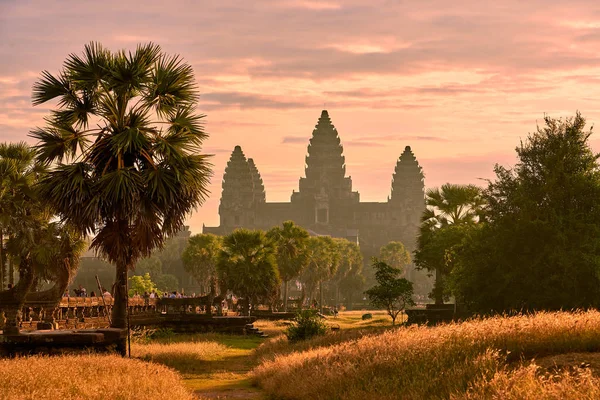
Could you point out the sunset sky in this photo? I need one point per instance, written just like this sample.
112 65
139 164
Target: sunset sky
460 82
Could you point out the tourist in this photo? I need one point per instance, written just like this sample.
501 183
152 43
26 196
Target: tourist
106 295
66 293
93 294
153 294
136 295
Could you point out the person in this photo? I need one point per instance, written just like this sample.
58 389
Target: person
66 293
153 294
93 294
136 295
106 294
82 291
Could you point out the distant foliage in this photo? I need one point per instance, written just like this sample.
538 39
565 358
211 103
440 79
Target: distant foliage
141 284
307 325
367 316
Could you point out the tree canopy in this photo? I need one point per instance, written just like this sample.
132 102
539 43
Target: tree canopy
392 292
247 265
540 248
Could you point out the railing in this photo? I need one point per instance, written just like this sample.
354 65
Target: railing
77 311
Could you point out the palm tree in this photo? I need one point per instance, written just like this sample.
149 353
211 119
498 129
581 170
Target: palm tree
123 152
290 243
247 265
348 276
323 262
23 220
200 260
453 204
449 207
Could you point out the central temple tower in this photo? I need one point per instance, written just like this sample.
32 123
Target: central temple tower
325 193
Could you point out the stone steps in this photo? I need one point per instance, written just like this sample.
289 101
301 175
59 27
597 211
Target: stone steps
250 329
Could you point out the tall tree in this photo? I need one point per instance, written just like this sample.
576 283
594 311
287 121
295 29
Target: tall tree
540 246
123 148
200 259
23 223
395 255
323 262
448 210
391 292
290 243
348 277
247 265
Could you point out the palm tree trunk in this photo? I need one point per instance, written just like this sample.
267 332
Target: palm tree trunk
119 310
2 261
11 271
14 299
321 297
285 296
211 296
438 288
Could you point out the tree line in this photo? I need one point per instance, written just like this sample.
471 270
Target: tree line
530 239
254 265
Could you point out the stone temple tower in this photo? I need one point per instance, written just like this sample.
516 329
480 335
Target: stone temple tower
407 201
257 183
325 193
237 199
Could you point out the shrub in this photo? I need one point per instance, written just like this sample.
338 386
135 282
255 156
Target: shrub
308 324
367 316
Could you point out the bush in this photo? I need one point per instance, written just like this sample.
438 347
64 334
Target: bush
308 324
367 316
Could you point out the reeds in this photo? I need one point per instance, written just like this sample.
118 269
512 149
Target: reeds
431 363
90 377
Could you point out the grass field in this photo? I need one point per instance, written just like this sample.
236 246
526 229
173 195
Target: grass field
94 377
476 359
546 356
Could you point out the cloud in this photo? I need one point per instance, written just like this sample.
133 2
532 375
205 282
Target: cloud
216 100
295 139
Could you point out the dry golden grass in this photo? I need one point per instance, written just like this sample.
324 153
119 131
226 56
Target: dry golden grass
428 363
529 383
91 377
183 356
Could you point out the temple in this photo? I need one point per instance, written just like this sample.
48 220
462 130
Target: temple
325 203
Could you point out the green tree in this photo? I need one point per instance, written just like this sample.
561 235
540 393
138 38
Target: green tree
141 284
25 227
348 278
200 259
540 246
448 210
167 283
395 254
149 265
247 265
391 292
123 149
323 261
290 244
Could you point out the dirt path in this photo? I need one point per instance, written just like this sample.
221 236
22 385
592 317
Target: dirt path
226 376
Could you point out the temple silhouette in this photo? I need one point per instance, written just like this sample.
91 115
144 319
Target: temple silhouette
325 203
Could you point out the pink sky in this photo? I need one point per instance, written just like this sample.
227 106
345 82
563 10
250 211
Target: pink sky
459 82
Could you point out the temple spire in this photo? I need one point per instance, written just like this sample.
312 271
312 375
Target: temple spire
408 184
257 182
325 163
238 188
